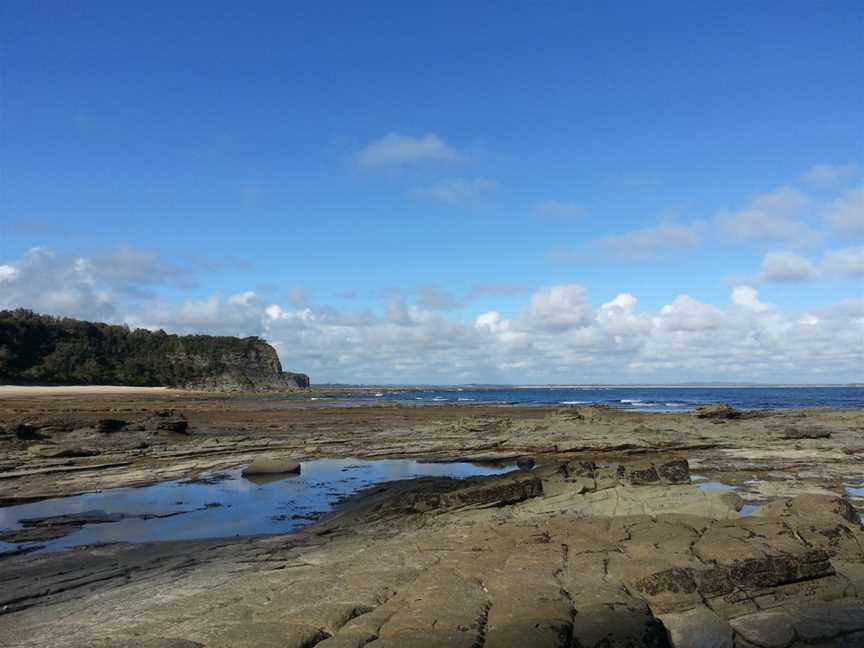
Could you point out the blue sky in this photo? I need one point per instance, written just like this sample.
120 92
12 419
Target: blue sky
393 170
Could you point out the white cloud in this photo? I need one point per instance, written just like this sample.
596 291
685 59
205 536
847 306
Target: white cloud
649 242
395 150
786 267
772 216
845 215
490 321
687 314
45 281
243 314
748 298
848 262
782 199
558 336
558 209
457 191
827 175
558 308
7 272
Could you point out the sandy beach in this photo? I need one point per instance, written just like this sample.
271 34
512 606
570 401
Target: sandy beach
19 391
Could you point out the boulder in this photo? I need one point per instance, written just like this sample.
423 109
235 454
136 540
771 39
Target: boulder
59 452
24 432
717 412
676 471
271 466
109 425
489 492
525 463
698 628
809 432
167 421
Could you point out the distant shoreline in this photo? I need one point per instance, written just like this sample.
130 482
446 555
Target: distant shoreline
478 387
13 391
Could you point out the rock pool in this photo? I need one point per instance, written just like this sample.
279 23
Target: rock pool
223 504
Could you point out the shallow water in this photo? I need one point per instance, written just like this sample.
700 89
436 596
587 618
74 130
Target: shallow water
229 505
702 484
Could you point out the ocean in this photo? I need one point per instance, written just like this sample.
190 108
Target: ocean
643 399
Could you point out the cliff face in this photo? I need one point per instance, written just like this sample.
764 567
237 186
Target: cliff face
38 349
255 367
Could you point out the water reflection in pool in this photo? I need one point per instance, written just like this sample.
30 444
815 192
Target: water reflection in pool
228 504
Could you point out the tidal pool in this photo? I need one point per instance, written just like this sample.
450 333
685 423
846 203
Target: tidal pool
223 504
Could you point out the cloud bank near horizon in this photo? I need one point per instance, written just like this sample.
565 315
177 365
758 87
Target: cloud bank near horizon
558 335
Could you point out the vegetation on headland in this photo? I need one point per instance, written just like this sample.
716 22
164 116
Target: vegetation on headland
46 350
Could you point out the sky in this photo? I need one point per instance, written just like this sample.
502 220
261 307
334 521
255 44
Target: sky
447 192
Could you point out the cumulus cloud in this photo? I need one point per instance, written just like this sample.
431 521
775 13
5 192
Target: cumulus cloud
7 272
748 298
89 287
558 308
240 314
52 283
786 267
457 191
394 150
558 335
845 215
560 210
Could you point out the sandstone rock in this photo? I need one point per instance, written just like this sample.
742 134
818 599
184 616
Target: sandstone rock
60 452
428 639
640 500
698 628
252 365
766 629
810 432
167 421
571 413
529 606
825 522
717 412
271 466
109 425
264 635
142 642
525 463
812 506
24 432
483 494
619 627
641 474
826 620
676 471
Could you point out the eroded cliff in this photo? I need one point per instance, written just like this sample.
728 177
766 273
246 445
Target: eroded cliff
40 349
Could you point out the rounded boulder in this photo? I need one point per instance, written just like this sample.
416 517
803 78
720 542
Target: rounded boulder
271 466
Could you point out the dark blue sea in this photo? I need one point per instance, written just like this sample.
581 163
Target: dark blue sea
643 399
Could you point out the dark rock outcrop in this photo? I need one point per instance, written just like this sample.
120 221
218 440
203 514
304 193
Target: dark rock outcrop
43 350
167 421
808 432
717 412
